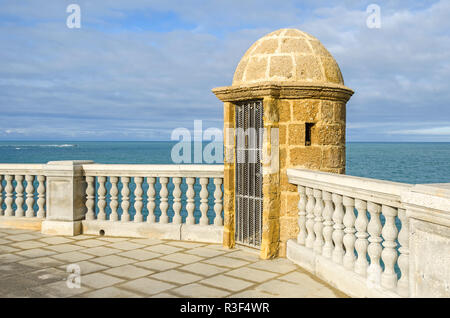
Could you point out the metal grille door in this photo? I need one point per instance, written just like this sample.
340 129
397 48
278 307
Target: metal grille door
249 203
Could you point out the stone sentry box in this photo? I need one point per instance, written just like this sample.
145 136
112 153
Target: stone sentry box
304 101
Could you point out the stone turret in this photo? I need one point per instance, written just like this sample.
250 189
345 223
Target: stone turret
304 97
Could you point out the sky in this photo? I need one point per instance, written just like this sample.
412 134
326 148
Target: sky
136 70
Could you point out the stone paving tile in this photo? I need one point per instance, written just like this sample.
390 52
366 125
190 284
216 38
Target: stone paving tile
4 241
200 291
86 267
18 286
163 249
35 252
182 258
7 249
59 289
42 262
325 292
146 241
110 292
10 269
128 272
226 261
205 252
301 278
63 248
147 286
246 256
279 288
99 280
252 293
55 240
157 265
175 276
163 295
126 245
72 256
10 258
101 251
204 269
47 275
254 275
91 243
226 282
278 265
28 244
21 237
113 260
139 254
185 244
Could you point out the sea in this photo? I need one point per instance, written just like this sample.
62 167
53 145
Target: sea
408 162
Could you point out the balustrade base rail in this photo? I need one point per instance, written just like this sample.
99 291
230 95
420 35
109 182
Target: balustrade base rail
20 223
170 231
334 274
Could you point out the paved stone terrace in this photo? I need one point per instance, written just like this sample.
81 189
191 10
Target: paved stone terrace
34 265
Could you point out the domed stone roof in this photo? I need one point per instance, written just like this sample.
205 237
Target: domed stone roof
287 55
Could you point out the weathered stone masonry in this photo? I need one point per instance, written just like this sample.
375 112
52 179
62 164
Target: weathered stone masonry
304 97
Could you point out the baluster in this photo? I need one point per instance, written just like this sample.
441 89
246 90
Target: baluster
164 205
218 206
403 259
204 201
310 238
101 198
389 253
41 197
176 200
138 199
30 196
362 235
9 195
125 204
301 237
1 196
190 205
349 237
328 225
19 196
151 194
374 249
338 233
318 221
90 198
114 216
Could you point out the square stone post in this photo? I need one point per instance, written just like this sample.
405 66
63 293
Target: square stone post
66 197
428 209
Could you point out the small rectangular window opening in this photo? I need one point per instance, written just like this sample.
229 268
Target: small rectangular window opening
308 127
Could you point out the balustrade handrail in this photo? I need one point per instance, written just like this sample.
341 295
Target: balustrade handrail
21 168
153 170
374 190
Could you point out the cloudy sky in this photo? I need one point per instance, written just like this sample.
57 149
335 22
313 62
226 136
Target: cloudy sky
137 69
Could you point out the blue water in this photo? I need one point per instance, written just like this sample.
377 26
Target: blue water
401 162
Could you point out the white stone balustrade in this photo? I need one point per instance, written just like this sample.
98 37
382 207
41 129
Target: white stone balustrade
355 233
177 198
20 185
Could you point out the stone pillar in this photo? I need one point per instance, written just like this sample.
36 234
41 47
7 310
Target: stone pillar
228 182
304 99
66 197
428 209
